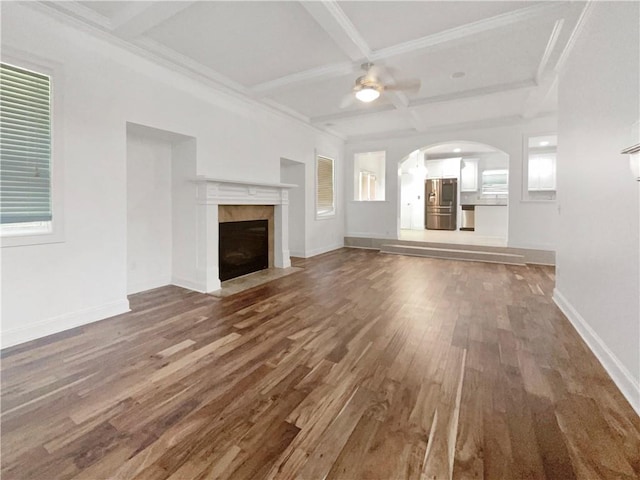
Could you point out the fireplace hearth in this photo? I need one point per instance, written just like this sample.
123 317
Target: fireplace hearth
243 248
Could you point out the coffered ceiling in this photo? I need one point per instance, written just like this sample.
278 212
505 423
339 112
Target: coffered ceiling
476 62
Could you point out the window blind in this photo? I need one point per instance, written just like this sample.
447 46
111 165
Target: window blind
325 191
25 145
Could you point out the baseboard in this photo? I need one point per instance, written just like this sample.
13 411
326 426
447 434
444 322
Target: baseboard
371 235
320 251
188 284
63 322
148 285
296 253
629 386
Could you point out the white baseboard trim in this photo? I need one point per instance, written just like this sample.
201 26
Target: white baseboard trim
188 284
63 322
629 386
321 250
371 235
148 285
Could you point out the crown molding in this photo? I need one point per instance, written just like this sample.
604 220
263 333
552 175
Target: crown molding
215 83
494 122
158 50
138 17
79 12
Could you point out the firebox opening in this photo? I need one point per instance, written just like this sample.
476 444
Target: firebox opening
243 248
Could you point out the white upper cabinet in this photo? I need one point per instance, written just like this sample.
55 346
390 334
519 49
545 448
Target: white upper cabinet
542 172
469 175
446 168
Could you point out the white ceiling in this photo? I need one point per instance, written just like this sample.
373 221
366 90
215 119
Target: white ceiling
303 57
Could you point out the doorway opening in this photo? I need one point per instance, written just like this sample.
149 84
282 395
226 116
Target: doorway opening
475 176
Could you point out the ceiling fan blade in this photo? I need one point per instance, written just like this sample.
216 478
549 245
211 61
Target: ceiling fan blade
405 86
347 100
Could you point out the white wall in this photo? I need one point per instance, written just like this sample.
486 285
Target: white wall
531 224
294 173
51 287
598 257
149 213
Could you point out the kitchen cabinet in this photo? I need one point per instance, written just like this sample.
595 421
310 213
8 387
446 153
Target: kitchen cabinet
447 168
469 175
491 220
435 168
542 173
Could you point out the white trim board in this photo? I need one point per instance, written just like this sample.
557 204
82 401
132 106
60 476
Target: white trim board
321 250
63 322
623 379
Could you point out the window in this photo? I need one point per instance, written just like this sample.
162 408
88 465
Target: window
495 182
369 176
325 191
540 171
25 152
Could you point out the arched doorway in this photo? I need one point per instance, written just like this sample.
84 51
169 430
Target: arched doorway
477 178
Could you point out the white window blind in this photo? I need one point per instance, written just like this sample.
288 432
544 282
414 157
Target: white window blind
325 198
25 146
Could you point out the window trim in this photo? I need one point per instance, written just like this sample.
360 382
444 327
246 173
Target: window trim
333 214
13 237
524 195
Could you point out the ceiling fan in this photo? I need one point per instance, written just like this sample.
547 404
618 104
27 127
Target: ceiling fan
369 86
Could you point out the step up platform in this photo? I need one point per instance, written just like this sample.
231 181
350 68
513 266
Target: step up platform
455 251
475 255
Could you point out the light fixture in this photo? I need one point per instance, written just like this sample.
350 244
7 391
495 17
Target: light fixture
367 93
634 160
457 150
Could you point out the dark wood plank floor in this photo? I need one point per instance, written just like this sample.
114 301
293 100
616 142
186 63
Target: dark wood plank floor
361 366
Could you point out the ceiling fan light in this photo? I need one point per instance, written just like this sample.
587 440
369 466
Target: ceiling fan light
367 94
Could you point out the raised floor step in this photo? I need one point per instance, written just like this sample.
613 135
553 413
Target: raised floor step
454 254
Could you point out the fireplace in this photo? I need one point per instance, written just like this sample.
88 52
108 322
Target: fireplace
243 248
229 201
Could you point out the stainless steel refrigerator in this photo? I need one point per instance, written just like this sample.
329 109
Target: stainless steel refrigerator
441 203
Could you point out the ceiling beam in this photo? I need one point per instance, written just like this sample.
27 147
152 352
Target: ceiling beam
475 124
335 22
138 17
551 45
450 97
411 47
575 33
470 29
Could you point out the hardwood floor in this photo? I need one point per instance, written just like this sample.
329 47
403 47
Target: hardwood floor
361 366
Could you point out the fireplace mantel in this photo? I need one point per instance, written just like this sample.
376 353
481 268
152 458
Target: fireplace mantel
216 191
212 192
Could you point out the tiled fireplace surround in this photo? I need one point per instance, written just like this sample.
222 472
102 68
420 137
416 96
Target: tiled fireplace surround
229 200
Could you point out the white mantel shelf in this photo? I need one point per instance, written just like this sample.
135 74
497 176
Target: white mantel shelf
216 191
244 182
